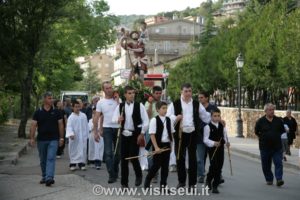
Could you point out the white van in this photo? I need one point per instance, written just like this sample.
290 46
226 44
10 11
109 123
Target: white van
73 95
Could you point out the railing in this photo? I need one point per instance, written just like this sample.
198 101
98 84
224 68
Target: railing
162 52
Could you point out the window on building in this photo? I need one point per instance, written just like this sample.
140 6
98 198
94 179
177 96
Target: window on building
167 46
184 30
160 30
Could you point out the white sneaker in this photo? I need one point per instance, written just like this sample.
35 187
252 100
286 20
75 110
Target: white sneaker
83 168
58 157
98 167
72 168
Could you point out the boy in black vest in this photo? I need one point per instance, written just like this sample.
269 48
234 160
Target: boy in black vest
161 129
215 136
134 122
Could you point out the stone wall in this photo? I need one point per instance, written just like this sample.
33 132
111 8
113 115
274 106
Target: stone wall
249 117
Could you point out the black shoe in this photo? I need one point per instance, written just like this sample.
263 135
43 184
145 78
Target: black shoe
43 181
222 181
201 179
124 186
147 183
164 191
269 182
49 182
280 183
138 181
192 189
284 158
180 185
208 184
111 180
215 190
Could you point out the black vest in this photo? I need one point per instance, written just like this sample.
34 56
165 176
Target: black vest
159 131
136 117
197 120
216 133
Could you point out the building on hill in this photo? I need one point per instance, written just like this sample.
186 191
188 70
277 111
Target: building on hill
231 7
171 39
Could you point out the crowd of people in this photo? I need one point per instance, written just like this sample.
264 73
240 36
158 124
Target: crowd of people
180 136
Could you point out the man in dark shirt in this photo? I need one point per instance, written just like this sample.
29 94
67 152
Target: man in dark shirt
269 129
50 127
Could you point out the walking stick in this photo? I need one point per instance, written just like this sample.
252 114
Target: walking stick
119 133
148 155
216 150
229 157
180 139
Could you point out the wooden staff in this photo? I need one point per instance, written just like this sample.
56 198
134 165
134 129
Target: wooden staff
180 139
216 150
229 157
150 154
119 133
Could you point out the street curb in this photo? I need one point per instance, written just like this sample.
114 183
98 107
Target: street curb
14 156
256 156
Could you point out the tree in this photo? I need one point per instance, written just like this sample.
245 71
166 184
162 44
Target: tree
265 34
91 82
28 39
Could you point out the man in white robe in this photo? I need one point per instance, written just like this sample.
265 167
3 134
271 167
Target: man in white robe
77 132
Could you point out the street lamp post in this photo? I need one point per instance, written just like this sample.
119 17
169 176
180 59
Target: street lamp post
239 64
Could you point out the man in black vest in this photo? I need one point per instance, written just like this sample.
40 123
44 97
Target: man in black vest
187 115
134 122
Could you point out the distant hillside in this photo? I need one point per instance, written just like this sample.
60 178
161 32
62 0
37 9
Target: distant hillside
128 20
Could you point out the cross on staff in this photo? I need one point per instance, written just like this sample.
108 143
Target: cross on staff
149 154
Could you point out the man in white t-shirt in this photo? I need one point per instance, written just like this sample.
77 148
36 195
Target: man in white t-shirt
108 130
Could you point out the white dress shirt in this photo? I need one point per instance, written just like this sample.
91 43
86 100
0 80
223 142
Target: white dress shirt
207 141
153 127
128 125
188 125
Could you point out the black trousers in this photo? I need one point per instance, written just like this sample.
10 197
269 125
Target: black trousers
129 148
188 142
160 161
216 165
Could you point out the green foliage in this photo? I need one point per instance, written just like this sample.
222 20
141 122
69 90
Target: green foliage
266 34
91 82
128 20
137 24
4 107
140 91
39 40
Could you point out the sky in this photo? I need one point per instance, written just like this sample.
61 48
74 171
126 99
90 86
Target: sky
149 7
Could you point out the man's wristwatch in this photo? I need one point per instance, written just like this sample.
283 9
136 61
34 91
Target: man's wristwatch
62 139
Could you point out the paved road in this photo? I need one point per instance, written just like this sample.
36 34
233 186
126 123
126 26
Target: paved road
21 182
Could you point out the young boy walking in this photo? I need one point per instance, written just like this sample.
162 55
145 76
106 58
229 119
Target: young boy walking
134 122
161 129
77 132
96 149
215 136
